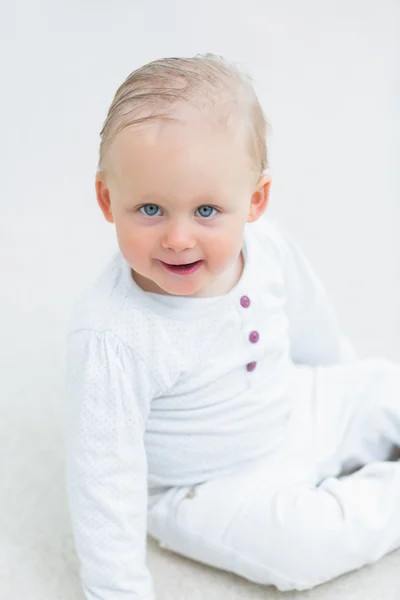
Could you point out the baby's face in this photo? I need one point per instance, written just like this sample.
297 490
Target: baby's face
180 194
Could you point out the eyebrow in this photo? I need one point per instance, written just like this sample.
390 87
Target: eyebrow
205 199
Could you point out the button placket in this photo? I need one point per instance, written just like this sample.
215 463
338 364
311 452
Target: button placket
254 336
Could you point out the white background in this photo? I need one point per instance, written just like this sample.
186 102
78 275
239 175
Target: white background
327 73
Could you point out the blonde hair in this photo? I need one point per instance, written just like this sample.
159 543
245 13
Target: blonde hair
150 91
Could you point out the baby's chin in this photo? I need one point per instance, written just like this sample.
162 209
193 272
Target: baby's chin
156 286
185 289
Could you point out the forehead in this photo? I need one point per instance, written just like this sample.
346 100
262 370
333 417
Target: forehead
170 151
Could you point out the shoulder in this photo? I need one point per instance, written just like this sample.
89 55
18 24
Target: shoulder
94 306
110 305
111 317
270 237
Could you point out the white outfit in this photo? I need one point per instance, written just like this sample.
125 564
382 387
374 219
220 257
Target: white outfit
221 425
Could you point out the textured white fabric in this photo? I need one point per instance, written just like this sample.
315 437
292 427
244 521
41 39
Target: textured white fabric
158 394
324 504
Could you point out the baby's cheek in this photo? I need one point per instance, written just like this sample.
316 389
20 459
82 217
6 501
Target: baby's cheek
130 245
224 250
133 240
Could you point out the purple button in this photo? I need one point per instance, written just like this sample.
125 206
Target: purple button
251 366
245 301
254 337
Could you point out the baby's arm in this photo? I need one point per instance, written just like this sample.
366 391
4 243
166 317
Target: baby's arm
315 333
106 466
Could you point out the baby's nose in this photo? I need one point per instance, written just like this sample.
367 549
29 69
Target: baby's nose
178 237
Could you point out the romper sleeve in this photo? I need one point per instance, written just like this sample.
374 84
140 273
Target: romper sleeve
107 399
316 337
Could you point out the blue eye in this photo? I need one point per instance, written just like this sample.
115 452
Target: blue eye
150 210
204 211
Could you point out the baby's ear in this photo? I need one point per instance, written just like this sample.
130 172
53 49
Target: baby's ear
259 200
103 197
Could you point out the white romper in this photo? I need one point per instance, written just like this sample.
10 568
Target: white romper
238 430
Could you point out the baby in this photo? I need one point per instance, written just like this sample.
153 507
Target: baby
213 401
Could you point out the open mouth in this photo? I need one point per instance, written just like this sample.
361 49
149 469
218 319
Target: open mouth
183 269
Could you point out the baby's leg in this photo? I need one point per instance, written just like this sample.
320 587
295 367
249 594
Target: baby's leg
286 531
353 414
294 520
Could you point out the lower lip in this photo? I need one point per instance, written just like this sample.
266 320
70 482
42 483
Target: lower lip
182 270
